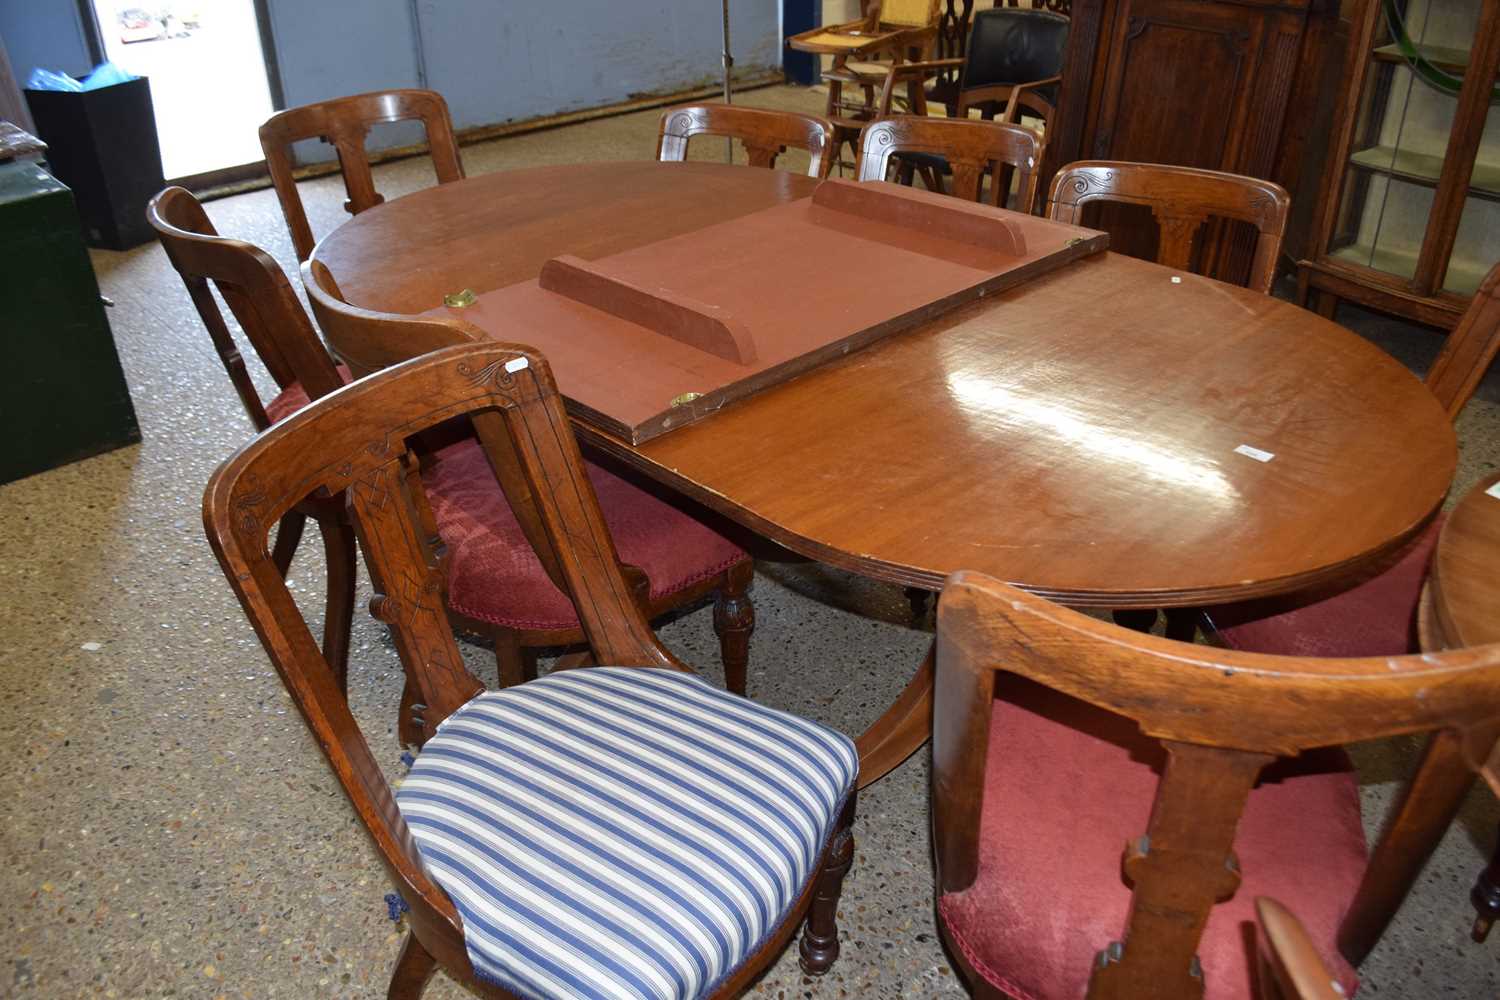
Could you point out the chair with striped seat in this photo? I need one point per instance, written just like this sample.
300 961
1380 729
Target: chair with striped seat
263 303
615 831
1107 805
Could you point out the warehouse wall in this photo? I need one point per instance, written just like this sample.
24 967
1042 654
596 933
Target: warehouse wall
495 60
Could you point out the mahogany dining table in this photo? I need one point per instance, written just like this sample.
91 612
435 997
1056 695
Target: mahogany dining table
1115 434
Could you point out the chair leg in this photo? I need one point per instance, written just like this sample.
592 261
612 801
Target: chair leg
918 598
414 969
1141 620
1182 624
288 534
820 937
338 611
1486 897
408 731
515 663
734 620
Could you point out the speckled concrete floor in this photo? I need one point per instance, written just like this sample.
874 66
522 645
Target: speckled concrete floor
169 828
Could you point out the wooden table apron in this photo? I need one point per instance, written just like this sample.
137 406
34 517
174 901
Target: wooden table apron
1075 436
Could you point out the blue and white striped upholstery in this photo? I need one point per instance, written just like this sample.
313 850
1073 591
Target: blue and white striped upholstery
621 832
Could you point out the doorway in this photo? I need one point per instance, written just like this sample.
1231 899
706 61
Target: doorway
207 66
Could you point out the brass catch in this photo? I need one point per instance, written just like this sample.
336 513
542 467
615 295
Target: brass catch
685 398
460 300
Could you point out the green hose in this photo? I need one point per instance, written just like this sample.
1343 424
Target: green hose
1429 74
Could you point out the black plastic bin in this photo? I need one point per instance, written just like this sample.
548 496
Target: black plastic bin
102 144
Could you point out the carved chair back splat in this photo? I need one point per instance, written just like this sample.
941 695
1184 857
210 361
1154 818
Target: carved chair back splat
356 444
273 320
972 149
1181 199
1221 715
344 123
765 134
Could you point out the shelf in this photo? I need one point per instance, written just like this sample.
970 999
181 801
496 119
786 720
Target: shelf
1424 168
1444 58
1402 263
1463 277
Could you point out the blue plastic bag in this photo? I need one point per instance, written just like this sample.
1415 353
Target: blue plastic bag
106 75
46 79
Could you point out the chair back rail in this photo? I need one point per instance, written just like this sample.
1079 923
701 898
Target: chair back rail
344 123
765 134
1290 967
356 441
1470 349
1181 200
1221 715
971 148
258 295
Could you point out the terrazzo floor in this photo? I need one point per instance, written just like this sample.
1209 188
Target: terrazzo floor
170 829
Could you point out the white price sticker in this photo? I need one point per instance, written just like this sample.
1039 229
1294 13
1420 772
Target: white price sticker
1255 453
516 364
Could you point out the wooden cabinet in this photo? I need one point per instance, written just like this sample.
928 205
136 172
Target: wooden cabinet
1197 83
1409 215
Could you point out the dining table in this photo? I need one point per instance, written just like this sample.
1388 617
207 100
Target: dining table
1115 434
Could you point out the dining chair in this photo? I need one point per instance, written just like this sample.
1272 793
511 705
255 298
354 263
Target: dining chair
1290 967
496 587
1058 739
1378 616
262 302
1012 66
344 123
1181 200
764 133
615 830
971 149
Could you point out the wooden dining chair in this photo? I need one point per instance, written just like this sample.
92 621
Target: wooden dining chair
616 830
971 149
496 587
267 310
1181 199
1290 967
344 123
1059 739
764 133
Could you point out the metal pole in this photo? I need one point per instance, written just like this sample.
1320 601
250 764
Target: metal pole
728 97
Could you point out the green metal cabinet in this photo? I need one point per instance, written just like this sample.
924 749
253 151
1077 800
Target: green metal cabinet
62 394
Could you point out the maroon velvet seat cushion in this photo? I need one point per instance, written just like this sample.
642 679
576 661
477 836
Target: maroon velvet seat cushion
495 577
294 397
1376 618
1066 786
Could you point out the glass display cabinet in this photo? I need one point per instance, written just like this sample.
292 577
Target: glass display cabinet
1409 219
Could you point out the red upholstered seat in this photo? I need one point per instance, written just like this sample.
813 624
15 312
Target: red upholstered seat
1376 618
1066 786
294 397
494 576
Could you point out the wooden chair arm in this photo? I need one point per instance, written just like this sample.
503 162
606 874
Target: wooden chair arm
1025 94
908 72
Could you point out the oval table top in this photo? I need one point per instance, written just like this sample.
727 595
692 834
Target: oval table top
1465 576
1099 436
